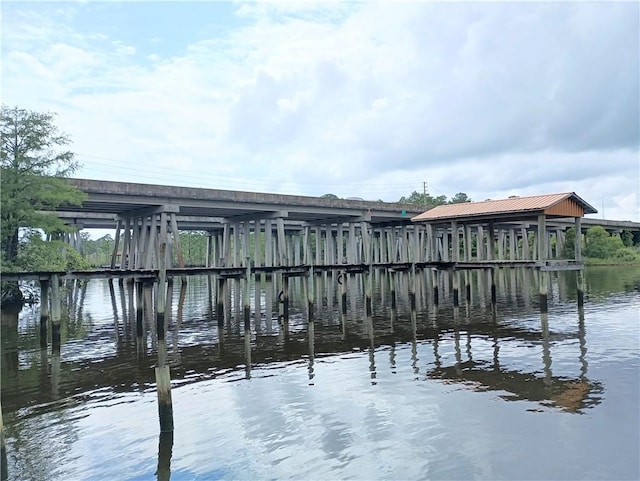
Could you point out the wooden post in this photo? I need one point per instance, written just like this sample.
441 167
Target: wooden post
310 293
165 407
55 311
578 257
578 239
44 311
245 296
162 277
455 255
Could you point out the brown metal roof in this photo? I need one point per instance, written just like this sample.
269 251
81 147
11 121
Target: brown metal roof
504 207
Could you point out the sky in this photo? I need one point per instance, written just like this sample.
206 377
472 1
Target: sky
359 99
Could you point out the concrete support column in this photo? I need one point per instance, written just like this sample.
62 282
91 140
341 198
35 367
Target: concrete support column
318 243
340 240
491 239
455 255
559 243
542 237
268 243
351 253
282 252
526 253
513 245
480 249
308 258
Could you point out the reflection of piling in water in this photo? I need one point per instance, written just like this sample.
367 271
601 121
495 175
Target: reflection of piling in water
4 470
139 288
311 335
435 281
165 447
247 353
220 294
543 284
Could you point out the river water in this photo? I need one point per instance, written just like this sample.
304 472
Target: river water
437 393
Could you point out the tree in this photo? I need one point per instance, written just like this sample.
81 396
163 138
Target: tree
459 198
33 167
423 199
600 244
329 196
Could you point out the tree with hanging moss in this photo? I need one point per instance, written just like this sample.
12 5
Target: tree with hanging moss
34 162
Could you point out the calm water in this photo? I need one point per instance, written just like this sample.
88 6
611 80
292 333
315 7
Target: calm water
438 394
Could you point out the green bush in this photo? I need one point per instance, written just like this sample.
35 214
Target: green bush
40 255
600 244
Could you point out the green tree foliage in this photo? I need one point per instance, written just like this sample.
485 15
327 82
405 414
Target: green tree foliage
329 196
429 201
39 255
569 247
459 198
601 245
33 165
423 199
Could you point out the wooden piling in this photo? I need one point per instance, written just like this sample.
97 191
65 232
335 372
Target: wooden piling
342 280
44 311
55 311
165 407
247 353
310 293
246 299
311 344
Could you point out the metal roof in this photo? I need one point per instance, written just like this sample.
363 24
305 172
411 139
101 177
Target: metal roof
502 207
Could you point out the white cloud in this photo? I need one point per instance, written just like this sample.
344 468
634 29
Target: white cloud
366 99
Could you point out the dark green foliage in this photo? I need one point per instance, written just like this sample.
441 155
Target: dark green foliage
569 248
33 165
425 200
459 198
430 201
600 244
35 254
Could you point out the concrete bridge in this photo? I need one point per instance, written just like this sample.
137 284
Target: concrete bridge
270 230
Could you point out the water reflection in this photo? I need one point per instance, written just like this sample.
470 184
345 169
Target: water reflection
505 347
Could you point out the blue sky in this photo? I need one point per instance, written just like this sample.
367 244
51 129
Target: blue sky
366 99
